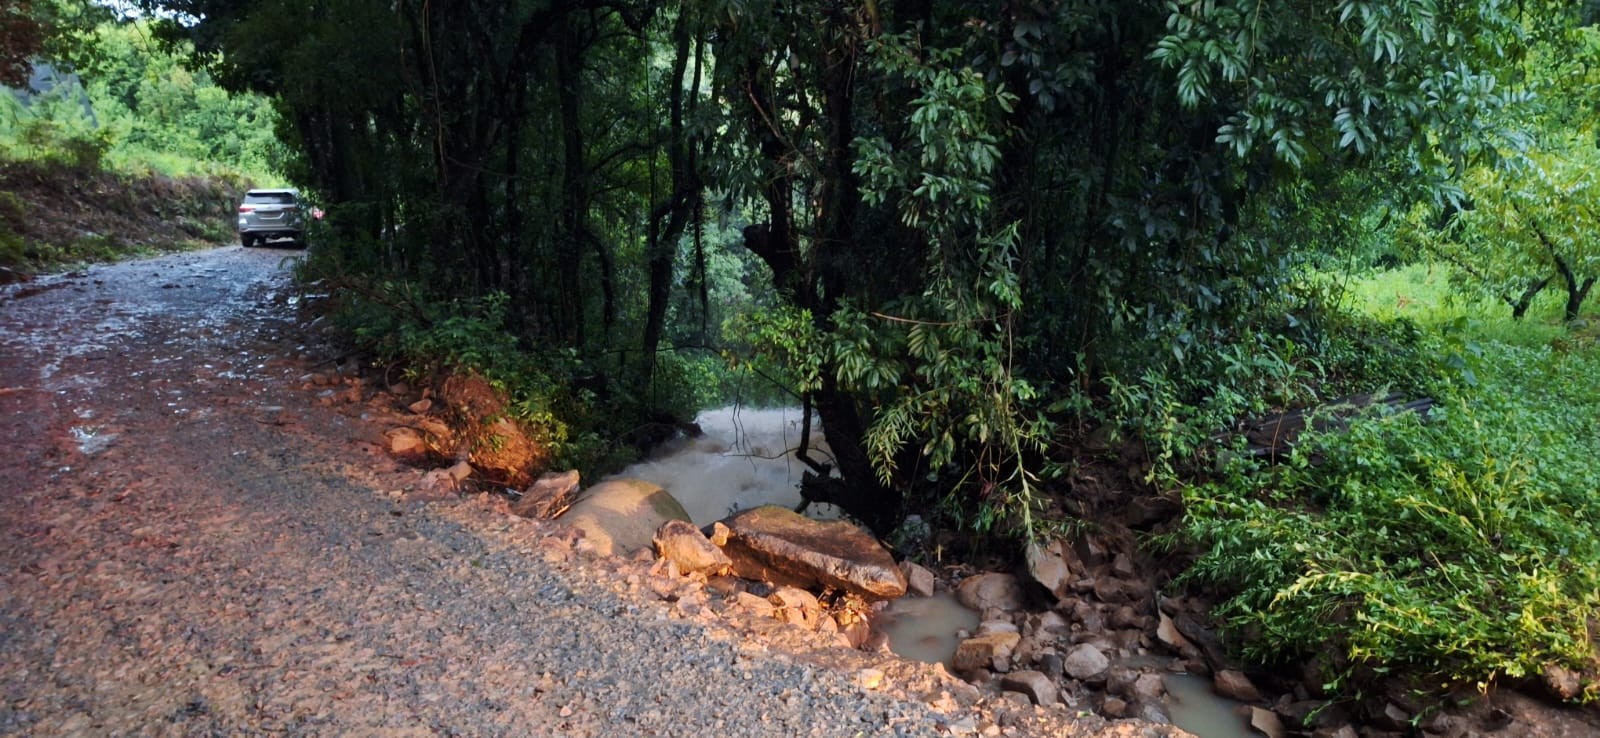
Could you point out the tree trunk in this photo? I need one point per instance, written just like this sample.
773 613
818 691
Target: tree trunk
817 278
1519 306
574 200
1576 294
668 219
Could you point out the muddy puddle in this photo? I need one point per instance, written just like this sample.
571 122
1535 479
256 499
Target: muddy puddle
925 628
743 459
1194 707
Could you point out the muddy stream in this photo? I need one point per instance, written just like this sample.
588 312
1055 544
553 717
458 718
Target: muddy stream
745 458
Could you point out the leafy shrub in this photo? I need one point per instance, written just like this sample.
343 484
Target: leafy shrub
1463 548
403 323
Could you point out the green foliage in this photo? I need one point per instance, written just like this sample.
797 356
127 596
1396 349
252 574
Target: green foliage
1458 549
781 344
138 110
939 365
1525 221
1462 548
13 248
402 324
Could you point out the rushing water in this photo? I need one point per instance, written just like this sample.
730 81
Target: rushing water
743 459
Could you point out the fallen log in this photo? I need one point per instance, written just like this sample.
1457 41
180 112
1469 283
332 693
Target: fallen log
1273 436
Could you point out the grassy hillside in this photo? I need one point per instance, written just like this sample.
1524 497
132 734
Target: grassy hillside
53 216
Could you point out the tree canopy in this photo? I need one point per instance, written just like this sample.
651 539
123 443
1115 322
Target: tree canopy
985 227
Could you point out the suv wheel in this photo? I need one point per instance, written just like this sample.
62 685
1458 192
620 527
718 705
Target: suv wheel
246 240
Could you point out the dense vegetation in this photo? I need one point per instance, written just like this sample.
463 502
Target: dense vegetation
114 147
975 237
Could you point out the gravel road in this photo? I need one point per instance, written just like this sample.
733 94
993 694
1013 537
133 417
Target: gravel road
194 545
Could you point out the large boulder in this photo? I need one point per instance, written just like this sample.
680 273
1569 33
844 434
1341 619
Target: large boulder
621 516
778 545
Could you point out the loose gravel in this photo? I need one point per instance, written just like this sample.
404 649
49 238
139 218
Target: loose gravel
195 546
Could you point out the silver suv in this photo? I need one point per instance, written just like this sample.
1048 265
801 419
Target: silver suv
268 214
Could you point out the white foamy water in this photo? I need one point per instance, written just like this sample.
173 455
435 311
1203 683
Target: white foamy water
744 459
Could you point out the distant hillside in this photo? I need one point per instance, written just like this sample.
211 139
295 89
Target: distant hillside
52 216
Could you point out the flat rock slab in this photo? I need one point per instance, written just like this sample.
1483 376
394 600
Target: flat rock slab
622 515
778 545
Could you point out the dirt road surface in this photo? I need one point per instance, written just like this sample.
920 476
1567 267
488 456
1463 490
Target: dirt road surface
192 545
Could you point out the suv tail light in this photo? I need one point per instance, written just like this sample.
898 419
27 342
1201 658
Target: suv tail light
247 208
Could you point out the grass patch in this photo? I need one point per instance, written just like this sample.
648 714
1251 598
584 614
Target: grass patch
1459 550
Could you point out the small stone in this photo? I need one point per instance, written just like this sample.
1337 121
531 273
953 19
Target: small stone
1119 681
1234 685
919 580
549 495
1052 663
1149 689
992 651
1343 731
1312 714
680 542
421 406
854 632
755 604
990 590
1123 566
1038 687
1125 617
1393 717
1026 651
1266 722
1114 708
796 605
962 726
1111 591
1095 550
1563 682
997 626
870 678
1085 662
459 471
406 443
1052 622
724 586
1168 633
1154 713
1051 565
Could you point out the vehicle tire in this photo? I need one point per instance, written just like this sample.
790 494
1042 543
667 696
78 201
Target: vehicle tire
245 240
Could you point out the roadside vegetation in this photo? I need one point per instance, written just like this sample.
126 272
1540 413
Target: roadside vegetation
110 147
1456 548
987 248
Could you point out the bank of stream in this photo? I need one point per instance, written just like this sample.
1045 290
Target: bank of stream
743 458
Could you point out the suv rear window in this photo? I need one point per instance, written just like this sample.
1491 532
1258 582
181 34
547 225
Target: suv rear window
269 198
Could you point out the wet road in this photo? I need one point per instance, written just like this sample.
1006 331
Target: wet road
195 543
